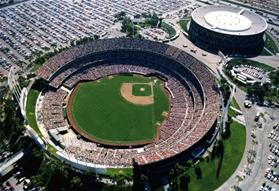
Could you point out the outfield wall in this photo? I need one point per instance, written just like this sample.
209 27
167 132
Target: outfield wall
80 164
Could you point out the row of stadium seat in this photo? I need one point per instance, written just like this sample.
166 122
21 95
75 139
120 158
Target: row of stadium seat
195 101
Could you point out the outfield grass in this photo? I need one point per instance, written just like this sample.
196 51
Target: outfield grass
100 111
235 104
207 176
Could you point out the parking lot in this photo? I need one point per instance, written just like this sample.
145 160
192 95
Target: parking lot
271 175
154 33
39 26
252 73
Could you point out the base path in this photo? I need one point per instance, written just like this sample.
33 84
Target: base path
127 93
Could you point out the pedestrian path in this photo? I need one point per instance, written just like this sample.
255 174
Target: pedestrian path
238 120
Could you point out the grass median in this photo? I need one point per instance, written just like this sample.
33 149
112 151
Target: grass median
207 176
31 113
235 104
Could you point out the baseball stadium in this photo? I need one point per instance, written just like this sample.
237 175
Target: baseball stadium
227 28
115 102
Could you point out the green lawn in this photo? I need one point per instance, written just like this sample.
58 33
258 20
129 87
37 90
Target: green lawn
231 112
274 77
236 82
265 53
111 171
30 110
269 42
208 176
35 68
30 113
235 104
183 23
169 28
101 112
238 61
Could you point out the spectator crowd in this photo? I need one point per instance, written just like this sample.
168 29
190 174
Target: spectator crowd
194 103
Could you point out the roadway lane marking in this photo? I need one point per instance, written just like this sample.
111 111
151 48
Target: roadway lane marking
14 185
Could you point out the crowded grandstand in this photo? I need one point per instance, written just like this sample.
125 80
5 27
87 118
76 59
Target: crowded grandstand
195 97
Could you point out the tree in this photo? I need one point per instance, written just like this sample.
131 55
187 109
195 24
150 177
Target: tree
125 23
53 45
129 178
249 160
38 153
72 43
137 16
76 183
113 178
171 173
189 163
90 172
37 180
252 152
2 136
58 168
9 107
179 168
201 158
160 22
143 177
120 180
239 179
130 29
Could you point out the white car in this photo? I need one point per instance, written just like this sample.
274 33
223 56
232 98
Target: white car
269 161
268 170
269 176
275 179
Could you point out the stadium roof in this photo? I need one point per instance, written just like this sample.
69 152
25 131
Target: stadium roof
229 20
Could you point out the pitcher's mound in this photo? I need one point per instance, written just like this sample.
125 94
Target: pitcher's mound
142 89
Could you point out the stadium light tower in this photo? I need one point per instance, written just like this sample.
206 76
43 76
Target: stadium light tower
19 94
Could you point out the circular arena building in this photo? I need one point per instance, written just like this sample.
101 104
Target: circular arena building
227 28
108 66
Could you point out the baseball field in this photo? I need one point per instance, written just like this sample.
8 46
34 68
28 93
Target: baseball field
119 110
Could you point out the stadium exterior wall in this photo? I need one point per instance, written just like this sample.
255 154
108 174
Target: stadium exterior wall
223 41
80 164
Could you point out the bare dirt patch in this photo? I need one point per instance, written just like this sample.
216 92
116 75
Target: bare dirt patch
165 113
110 77
127 93
142 89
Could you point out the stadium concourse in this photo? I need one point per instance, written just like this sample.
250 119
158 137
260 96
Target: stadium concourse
195 97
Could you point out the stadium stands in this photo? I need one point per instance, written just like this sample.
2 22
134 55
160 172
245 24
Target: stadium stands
194 104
